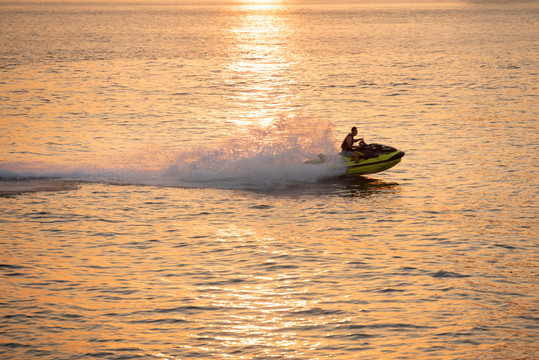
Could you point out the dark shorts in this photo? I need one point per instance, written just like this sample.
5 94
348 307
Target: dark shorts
346 153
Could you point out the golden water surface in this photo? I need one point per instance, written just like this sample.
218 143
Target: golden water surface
155 201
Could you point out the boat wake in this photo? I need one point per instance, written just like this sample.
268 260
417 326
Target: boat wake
254 158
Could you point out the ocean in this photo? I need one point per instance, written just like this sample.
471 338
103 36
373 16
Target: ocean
155 202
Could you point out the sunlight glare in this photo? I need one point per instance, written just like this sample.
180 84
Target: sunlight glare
258 71
263 2
252 5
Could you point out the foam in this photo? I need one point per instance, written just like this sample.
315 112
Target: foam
255 157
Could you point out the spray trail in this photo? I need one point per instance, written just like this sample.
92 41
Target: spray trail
261 157
254 157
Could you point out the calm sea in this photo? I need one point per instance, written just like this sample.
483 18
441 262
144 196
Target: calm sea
155 201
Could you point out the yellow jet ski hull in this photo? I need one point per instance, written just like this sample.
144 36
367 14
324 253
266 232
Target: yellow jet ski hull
373 165
374 158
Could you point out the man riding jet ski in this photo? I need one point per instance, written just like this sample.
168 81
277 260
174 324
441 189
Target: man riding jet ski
348 147
365 158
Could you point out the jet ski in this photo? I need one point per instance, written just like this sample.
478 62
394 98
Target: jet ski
373 158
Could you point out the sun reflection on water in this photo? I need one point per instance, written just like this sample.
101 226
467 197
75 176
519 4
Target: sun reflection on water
260 4
258 72
267 294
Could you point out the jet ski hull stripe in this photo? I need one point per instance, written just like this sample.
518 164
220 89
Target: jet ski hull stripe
394 157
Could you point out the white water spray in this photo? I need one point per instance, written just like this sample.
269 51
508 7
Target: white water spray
265 157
